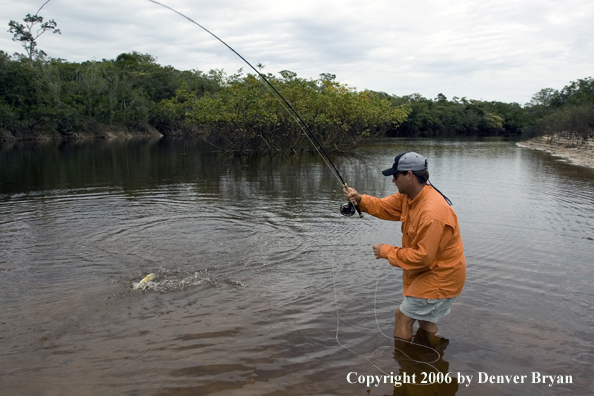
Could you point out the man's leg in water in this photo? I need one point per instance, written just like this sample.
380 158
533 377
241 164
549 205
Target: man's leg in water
428 326
403 326
431 332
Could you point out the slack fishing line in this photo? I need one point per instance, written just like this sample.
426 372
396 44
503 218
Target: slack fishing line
408 342
347 209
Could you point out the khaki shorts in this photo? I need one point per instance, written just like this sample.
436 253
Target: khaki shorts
430 310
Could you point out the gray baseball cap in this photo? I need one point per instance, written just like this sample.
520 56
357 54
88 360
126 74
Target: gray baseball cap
409 161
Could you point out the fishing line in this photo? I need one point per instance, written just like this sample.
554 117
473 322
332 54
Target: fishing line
345 210
377 274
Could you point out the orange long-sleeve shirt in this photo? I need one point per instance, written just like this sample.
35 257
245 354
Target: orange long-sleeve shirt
432 253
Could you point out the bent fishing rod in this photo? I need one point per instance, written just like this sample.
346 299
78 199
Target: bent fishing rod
346 209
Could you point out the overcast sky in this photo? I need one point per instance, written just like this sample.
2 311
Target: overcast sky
504 50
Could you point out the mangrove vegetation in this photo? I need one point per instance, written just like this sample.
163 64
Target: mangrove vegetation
45 98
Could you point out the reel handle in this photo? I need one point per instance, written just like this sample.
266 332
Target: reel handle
346 190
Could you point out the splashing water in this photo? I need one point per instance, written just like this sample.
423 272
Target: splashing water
172 280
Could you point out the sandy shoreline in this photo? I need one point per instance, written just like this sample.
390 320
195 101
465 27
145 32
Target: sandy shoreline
579 154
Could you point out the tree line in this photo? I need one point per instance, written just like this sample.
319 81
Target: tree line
60 99
54 97
566 113
247 115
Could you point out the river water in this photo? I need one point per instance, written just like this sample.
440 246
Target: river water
263 288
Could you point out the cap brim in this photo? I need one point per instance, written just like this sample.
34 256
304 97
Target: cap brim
389 172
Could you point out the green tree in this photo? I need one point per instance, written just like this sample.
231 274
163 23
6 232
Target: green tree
246 116
458 117
28 33
575 123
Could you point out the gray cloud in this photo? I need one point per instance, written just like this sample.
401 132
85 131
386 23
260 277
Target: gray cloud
491 49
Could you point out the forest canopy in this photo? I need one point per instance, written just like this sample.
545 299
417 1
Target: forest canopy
54 98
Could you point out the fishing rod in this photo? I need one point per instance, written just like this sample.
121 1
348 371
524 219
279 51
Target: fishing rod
44 4
347 209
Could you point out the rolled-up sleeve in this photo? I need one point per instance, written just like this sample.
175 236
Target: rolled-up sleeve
421 254
387 208
432 253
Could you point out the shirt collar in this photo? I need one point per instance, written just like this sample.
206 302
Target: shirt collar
414 202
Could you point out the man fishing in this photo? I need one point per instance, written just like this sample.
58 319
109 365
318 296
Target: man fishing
432 254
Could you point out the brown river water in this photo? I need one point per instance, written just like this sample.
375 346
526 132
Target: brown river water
263 288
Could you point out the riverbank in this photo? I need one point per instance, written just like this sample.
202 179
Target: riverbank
577 153
100 132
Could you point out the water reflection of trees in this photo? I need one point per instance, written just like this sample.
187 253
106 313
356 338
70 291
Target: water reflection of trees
161 164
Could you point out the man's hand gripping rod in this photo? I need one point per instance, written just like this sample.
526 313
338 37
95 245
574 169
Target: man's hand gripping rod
353 203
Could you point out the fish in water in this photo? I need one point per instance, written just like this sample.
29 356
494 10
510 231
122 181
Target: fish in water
143 283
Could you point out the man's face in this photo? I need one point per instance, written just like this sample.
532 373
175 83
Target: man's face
402 182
